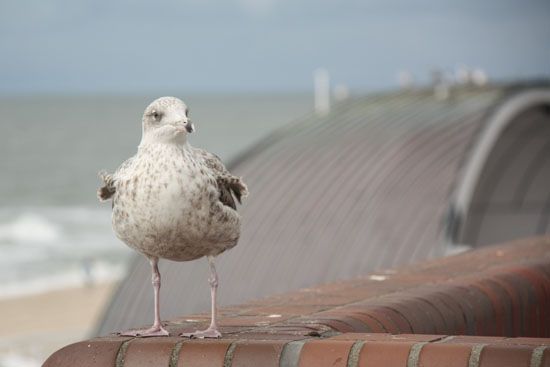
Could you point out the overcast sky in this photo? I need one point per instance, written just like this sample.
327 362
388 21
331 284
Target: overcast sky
133 46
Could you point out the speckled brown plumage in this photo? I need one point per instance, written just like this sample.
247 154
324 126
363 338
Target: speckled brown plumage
169 202
172 200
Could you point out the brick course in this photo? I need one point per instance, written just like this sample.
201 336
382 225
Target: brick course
489 307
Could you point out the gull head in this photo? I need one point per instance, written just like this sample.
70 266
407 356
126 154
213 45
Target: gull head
166 120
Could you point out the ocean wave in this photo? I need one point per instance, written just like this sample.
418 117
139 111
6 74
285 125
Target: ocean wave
87 274
47 248
74 227
29 227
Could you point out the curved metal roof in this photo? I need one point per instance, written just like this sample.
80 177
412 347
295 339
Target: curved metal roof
512 196
367 187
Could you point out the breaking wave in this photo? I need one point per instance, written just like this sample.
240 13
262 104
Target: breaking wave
48 248
29 227
78 275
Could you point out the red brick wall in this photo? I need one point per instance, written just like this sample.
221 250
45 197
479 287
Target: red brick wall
489 307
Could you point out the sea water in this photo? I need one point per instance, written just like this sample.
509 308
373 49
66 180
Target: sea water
53 232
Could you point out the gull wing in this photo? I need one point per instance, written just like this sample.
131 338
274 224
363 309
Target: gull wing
108 189
230 187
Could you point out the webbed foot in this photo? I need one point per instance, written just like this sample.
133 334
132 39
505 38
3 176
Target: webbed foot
201 334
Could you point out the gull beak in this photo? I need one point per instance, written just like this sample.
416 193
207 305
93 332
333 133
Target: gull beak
186 126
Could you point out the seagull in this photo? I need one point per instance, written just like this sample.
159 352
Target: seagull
174 201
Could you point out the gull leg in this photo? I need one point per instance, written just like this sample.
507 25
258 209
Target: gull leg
212 331
157 329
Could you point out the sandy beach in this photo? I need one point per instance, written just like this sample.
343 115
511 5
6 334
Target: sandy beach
35 326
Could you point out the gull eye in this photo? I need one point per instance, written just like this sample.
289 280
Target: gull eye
157 116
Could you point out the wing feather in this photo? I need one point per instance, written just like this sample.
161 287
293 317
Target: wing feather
230 187
108 189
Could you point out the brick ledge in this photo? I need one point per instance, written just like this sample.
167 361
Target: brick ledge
501 291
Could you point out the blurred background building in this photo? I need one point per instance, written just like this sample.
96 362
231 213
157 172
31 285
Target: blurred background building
391 176
380 181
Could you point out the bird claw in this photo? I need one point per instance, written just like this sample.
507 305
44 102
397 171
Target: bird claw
144 333
202 334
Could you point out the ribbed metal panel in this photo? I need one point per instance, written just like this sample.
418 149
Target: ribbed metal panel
512 199
363 188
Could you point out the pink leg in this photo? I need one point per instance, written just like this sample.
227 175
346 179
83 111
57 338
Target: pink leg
212 331
157 329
